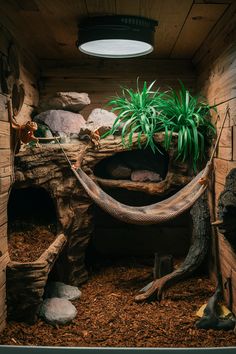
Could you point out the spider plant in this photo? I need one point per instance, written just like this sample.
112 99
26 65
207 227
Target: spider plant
138 112
189 116
149 111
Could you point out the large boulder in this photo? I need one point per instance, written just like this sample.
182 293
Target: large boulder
61 290
61 121
57 311
101 120
68 101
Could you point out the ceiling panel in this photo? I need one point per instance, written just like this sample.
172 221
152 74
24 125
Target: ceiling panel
49 27
62 18
199 23
171 15
98 7
124 7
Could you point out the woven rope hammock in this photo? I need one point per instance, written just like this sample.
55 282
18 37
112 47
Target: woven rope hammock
150 214
154 213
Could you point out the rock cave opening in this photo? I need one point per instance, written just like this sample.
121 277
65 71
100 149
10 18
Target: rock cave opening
135 165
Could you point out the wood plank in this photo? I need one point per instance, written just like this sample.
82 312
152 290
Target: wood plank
225 153
25 114
222 168
218 39
4 135
3 300
3 242
171 15
5 183
18 22
5 163
234 143
124 7
63 22
3 208
30 86
115 69
3 322
4 260
108 7
3 108
218 189
199 23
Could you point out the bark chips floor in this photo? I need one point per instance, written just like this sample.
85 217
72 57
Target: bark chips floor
109 317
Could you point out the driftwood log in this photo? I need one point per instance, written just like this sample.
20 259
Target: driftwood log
26 283
195 256
47 167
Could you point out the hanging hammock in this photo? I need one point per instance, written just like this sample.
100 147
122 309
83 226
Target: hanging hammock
155 213
150 214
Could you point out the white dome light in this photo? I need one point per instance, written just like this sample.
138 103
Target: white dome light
116 36
116 48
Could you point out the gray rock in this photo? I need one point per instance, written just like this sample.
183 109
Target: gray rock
69 101
57 311
145 176
63 291
117 170
100 119
61 121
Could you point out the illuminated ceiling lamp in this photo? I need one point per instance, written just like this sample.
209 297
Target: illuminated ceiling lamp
116 36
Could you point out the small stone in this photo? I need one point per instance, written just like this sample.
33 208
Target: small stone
57 311
61 121
145 176
68 101
118 170
62 291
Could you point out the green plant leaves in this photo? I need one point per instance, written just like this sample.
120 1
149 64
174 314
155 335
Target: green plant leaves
147 111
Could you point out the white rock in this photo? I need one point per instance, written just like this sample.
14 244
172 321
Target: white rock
69 101
100 119
63 291
57 311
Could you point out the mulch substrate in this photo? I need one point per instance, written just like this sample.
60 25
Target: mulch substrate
109 317
27 245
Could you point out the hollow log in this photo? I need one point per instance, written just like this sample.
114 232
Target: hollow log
26 283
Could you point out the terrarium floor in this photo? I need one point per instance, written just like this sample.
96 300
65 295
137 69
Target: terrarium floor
108 316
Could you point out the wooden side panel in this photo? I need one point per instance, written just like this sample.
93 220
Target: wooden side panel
216 67
4 135
3 243
102 78
234 143
28 77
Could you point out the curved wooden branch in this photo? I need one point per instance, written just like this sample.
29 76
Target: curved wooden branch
161 188
194 258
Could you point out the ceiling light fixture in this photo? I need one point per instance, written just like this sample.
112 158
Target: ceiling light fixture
116 36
